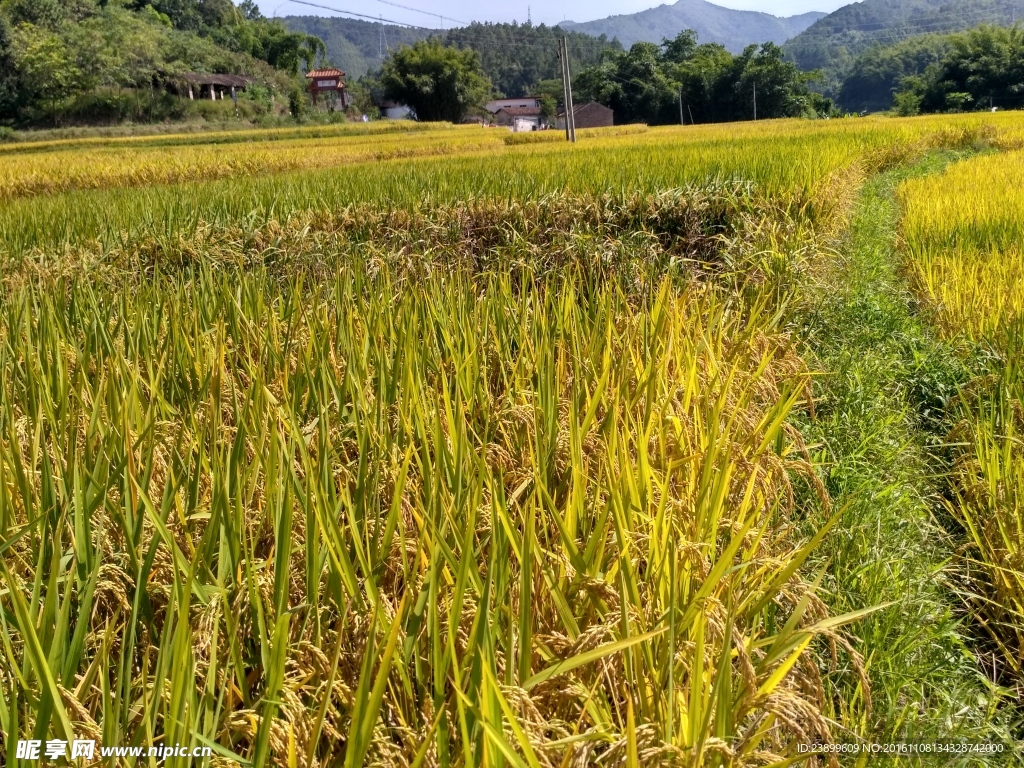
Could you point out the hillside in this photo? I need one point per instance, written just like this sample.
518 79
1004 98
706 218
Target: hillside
713 24
875 75
833 42
356 46
99 62
514 56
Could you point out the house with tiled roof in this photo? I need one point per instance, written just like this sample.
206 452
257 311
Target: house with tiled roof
520 119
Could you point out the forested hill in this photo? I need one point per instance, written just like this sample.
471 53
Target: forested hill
979 69
99 60
833 43
713 24
355 46
518 56
514 56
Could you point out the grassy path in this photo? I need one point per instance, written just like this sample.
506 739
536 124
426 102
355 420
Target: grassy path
880 403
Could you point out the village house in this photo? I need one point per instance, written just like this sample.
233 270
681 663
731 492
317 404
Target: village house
520 119
589 115
328 84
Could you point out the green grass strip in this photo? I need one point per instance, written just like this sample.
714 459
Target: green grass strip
881 397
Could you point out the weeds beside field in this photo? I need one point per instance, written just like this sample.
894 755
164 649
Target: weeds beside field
881 415
489 459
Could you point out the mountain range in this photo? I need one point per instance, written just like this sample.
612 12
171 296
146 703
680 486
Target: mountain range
833 42
830 42
713 24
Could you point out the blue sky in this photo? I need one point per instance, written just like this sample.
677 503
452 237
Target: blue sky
546 11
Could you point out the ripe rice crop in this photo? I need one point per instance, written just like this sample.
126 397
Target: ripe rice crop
483 459
963 232
791 163
477 509
28 172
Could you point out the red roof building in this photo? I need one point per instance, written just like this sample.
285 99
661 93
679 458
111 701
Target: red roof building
329 82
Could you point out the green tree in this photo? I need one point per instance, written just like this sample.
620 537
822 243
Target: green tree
48 72
763 78
635 84
700 75
680 49
907 100
10 85
361 97
48 14
297 105
435 81
518 56
548 108
706 83
877 73
979 68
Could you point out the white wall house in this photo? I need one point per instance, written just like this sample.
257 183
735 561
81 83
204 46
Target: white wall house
526 102
519 119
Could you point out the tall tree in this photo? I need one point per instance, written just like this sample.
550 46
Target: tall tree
768 85
47 70
9 80
980 68
435 81
705 83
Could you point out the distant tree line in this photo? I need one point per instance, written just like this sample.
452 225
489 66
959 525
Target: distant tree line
516 57
678 81
683 81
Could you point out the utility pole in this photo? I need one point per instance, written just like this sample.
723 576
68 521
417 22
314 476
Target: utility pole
755 101
681 120
570 118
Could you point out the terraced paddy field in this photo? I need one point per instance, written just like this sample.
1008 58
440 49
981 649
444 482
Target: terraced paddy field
433 446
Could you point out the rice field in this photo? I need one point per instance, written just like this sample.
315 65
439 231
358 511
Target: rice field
963 233
347 446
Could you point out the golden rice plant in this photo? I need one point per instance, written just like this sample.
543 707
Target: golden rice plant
448 521
963 231
988 483
467 460
25 171
788 166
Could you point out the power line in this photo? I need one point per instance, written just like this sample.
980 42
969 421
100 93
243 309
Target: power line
877 28
361 15
460 33
425 13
